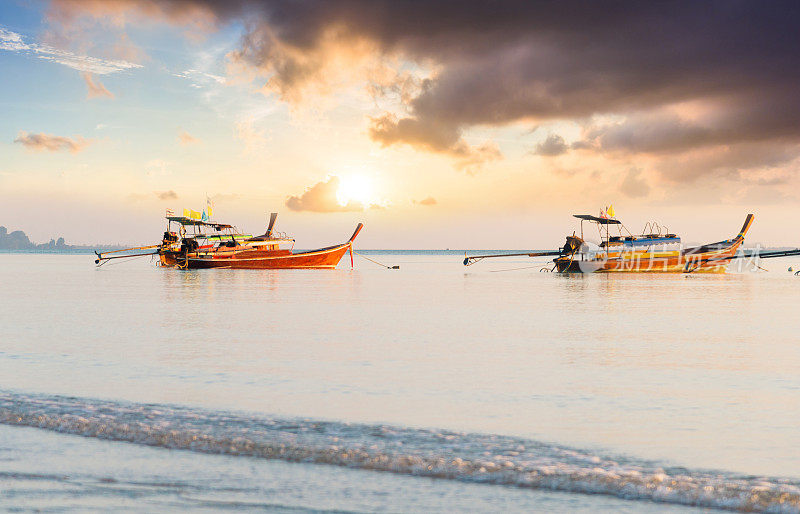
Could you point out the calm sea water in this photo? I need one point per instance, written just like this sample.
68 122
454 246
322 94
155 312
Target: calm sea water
430 388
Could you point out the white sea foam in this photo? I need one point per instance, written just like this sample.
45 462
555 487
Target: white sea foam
490 459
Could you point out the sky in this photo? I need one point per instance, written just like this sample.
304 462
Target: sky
439 124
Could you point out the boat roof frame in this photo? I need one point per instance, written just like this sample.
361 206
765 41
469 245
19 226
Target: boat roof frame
183 220
219 227
595 219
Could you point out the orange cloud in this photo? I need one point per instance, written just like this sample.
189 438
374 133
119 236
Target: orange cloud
50 143
96 88
427 201
321 197
186 139
119 12
126 50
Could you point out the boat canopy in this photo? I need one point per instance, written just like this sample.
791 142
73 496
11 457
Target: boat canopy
183 220
602 221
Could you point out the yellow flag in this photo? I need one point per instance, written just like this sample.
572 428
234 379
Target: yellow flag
195 215
187 213
610 211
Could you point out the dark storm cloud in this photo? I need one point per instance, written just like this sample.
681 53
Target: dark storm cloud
728 121
504 62
734 162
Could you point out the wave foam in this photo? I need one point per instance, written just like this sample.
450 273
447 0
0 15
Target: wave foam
490 459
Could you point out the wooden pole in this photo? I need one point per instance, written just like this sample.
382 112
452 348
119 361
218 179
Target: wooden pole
100 254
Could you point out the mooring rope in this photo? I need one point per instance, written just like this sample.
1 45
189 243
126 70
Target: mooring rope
376 262
107 261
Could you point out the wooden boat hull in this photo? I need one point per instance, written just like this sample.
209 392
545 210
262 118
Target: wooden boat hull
327 258
647 263
258 258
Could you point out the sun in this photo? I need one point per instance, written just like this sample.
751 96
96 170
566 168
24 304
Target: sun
355 189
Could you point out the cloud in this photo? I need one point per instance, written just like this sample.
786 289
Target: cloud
201 76
196 15
582 145
733 162
427 201
84 63
187 139
96 89
167 195
633 185
388 130
50 143
321 197
552 146
518 62
335 61
125 50
473 158
14 42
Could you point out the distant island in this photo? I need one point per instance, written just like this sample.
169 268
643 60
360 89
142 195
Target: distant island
17 241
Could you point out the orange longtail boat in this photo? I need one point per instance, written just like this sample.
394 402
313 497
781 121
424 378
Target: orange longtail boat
654 250
198 244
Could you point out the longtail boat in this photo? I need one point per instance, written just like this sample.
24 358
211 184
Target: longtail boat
190 243
654 250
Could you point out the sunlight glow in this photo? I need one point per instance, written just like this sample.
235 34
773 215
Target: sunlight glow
355 188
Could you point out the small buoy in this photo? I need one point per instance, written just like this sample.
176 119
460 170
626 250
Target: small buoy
395 267
97 261
790 269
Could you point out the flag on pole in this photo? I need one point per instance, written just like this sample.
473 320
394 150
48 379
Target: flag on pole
187 213
170 213
195 215
204 218
610 211
209 207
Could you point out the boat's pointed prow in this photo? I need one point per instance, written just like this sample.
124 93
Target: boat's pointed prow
358 229
272 217
747 222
